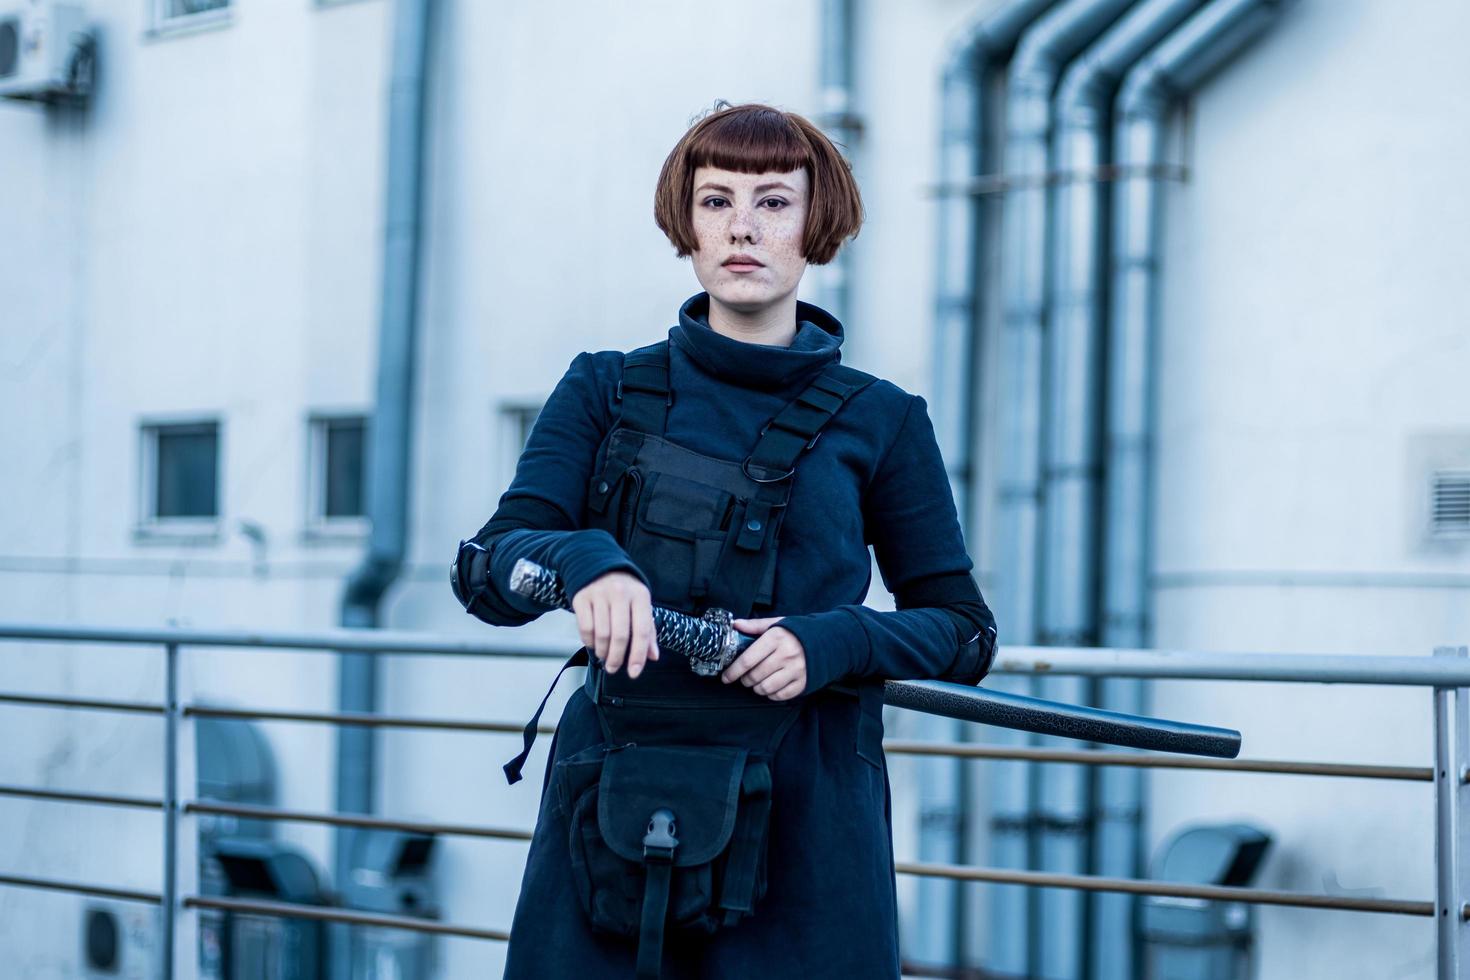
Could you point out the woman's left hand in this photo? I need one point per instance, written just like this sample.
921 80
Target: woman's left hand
774 666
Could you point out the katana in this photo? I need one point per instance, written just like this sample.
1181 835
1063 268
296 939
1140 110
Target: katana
711 644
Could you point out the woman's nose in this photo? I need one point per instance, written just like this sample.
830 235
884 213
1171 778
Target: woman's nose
742 225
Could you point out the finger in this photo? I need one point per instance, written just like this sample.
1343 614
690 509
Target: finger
772 664
790 690
617 650
642 622
753 655
774 681
600 614
583 609
755 627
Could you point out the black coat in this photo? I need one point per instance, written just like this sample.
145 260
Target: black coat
874 477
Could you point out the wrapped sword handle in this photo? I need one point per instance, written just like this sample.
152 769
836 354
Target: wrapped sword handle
710 643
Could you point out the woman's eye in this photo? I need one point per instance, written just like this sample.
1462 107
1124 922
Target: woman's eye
710 201
776 201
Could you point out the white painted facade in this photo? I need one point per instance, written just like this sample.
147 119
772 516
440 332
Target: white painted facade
204 242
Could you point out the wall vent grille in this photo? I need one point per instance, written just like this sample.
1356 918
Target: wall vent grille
1449 504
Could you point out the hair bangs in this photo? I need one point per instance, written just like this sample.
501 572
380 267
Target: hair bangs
750 143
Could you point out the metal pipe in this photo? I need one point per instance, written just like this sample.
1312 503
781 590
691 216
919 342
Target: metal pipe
92 704
966 277
1187 56
317 641
357 718
1142 760
1223 666
1214 893
1451 827
290 910
1373 669
171 910
389 458
1053 843
348 820
842 125
1072 485
69 796
78 888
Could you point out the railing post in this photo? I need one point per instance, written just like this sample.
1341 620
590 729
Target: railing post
179 941
1451 842
170 803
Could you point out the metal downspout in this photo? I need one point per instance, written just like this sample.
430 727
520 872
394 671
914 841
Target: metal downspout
1175 67
840 122
1040 56
964 278
388 458
1071 524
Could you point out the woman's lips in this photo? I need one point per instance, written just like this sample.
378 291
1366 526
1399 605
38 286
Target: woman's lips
743 266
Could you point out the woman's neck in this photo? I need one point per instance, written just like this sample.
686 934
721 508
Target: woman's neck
774 325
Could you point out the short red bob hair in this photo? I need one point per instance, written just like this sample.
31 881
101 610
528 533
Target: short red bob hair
752 139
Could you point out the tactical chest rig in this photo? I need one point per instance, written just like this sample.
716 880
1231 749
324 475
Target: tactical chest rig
669 816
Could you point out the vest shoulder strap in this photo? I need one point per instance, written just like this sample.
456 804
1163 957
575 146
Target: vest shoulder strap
796 427
643 391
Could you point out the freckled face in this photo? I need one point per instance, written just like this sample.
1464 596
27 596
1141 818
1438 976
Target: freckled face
760 217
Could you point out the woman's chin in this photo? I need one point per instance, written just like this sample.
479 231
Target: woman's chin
745 297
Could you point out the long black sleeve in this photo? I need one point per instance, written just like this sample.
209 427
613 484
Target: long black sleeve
942 627
537 515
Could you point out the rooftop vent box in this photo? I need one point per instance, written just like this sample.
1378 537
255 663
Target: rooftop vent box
45 51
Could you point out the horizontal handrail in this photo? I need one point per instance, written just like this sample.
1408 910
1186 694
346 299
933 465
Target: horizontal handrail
323 641
1152 760
71 796
290 910
1168 889
1416 671
81 888
93 704
352 820
363 719
1161 889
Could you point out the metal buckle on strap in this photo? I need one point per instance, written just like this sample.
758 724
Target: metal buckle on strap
745 468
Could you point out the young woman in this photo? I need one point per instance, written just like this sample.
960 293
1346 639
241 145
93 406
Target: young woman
735 826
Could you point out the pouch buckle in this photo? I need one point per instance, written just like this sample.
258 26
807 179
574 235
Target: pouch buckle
660 841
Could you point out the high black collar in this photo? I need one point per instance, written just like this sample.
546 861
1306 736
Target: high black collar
765 366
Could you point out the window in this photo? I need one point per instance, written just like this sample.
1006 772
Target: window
338 473
169 15
180 475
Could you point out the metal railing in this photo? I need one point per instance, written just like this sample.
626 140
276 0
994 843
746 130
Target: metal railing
1447 674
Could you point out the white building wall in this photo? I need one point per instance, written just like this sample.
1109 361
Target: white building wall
1313 336
207 240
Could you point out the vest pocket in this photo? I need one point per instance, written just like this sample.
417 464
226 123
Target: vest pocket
677 534
679 508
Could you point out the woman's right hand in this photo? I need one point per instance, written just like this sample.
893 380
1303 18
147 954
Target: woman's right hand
615 618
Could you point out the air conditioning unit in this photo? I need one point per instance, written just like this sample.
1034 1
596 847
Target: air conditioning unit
46 52
121 941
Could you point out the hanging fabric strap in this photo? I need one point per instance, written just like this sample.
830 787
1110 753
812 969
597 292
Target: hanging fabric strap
737 893
659 845
644 398
528 735
772 464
